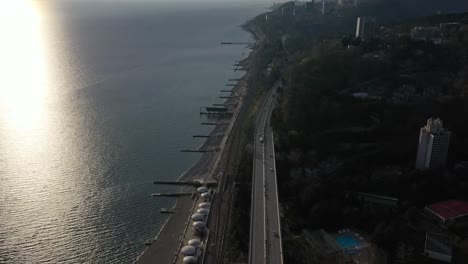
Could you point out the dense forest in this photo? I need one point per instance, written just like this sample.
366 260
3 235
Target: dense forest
348 121
333 143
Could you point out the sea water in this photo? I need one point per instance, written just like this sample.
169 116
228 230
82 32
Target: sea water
97 98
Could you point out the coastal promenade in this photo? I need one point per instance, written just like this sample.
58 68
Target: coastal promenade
166 245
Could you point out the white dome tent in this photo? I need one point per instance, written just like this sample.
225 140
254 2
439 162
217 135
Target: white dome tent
203 211
198 217
195 242
205 205
206 195
190 260
202 190
188 250
199 225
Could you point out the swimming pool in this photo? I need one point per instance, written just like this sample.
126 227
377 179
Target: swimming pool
347 241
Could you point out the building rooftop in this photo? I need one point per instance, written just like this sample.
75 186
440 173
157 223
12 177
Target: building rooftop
449 209
439 243
434 126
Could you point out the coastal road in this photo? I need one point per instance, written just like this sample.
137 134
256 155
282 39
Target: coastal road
265 231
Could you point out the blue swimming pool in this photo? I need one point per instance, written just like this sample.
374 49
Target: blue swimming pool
347 241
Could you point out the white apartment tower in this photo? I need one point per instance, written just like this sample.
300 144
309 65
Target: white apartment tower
365 27
433 145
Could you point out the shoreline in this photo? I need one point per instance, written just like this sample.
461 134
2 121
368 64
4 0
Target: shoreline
167 238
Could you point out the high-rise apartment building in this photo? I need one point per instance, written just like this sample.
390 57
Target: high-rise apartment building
433 145
365 27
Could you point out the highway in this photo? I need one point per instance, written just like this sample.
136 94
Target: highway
265 230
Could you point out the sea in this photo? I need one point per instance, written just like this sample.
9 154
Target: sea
97 98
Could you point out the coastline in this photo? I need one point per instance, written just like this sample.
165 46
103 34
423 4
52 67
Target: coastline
168 238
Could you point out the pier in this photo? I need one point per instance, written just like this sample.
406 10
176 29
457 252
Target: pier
225 104
201 136
216 113
214 123
166 211
215 109
235 43
171 194
193 150
189 183
198 150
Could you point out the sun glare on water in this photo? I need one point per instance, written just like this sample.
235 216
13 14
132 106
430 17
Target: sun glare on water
23 69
